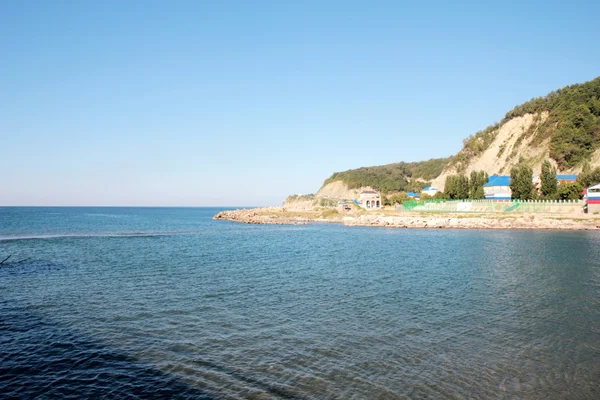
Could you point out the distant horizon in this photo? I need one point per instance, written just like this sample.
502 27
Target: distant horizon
189 105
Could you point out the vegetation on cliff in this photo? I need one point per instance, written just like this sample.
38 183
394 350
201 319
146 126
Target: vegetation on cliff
588 177
474 146
566 120
573 123
572 126
392 177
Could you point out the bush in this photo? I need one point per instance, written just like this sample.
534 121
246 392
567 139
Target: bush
588 177
330 213
440 195
399 198
327 203
570 191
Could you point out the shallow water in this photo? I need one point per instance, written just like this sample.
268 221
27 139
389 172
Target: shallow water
163 303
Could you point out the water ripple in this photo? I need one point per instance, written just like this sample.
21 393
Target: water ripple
321 312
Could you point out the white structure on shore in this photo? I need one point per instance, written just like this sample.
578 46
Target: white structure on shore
370 199
592 197
498 188
430 190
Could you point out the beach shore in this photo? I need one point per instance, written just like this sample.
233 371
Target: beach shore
398 219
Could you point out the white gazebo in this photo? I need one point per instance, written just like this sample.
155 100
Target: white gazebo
370 199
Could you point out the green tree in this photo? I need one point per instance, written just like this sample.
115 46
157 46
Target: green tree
463 183
398 198
476 182
549 183
521 183
457 187
440 195
589 178
450 186
570 191
586 169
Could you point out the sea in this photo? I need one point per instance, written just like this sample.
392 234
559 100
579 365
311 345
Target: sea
166 303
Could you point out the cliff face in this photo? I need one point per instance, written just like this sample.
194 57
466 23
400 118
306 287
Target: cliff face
562 127
328 196
512 142
339 190
300 202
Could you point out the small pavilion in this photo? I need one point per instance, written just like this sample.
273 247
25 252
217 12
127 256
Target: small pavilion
370 199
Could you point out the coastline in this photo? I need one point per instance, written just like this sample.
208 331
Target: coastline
398 219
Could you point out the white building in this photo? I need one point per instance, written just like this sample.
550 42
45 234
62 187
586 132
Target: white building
370 199
430 190
497 188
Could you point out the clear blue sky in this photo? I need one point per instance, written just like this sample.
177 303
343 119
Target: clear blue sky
245 102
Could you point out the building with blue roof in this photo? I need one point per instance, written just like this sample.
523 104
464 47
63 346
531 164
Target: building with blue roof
430 190
497 188
495 180
412 194
566 178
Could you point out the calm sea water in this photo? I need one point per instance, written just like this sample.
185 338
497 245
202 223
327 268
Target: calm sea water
166 303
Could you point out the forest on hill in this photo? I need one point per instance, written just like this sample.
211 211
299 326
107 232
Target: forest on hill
573 123
397 177
571 131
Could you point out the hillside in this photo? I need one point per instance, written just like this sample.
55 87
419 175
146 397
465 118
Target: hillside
563 126
392 177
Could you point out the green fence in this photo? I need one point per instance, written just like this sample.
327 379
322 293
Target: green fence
410 204
494 206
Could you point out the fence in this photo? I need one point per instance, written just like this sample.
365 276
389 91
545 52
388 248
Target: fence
495 206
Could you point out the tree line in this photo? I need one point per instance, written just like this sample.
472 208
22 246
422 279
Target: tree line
522 188
462 187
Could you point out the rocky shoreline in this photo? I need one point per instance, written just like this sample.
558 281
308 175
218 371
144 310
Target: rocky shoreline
281 216
259 216
474 222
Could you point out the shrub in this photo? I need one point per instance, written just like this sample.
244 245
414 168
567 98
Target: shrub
330 213
570 191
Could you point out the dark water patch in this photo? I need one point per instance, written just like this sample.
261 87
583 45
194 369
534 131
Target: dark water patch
29 266
41 359
95 235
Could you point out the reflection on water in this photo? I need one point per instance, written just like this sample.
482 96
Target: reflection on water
321 311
